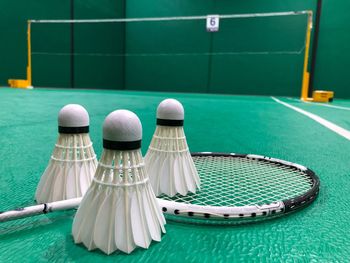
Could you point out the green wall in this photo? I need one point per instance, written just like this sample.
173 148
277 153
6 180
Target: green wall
104 67
333 56
168 69
99 69
250 72
13 51
52 67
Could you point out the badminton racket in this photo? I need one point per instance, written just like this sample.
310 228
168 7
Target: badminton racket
235 188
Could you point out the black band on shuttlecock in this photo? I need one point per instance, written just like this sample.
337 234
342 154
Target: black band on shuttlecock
73 130
164 122
121 146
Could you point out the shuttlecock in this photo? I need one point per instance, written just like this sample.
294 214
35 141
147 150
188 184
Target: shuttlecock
168 160
73 162
120 210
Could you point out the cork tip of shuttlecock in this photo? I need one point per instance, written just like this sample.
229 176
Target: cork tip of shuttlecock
122 126
170 109
73 115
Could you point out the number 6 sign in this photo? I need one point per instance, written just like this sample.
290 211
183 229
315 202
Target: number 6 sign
212 23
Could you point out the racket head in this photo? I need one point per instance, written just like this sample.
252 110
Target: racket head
242 188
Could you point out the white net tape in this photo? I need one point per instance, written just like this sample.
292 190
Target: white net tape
172 18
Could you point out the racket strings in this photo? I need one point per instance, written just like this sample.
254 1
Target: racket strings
240 181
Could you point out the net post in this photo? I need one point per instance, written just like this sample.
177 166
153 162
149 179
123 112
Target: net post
25 83
306 74
29 65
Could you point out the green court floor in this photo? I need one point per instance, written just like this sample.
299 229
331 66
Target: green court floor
242 124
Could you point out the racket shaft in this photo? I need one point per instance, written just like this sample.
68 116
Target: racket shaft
39 209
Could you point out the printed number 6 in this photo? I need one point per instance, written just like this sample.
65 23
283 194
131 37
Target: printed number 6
212 21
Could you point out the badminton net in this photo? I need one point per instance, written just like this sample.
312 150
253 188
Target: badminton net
153 53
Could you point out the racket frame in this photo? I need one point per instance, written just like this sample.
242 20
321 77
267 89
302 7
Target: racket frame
174 210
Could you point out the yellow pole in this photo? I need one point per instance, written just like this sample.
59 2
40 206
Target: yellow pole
29 66
306 74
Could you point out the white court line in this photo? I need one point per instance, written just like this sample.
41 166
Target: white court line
329 125
321 104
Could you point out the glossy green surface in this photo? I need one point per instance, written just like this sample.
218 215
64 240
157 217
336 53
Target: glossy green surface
319 233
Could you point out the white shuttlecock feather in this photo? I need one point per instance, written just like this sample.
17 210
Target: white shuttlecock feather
120 210
73 162
168 160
